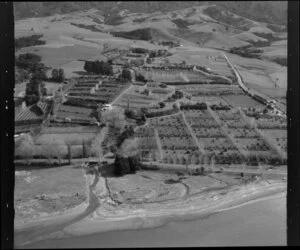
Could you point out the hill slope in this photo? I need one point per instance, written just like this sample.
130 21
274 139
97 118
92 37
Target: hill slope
263 11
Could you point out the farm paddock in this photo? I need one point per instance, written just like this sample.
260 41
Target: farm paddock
41 191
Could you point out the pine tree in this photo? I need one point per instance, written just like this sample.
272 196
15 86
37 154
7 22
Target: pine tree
54 74
61 75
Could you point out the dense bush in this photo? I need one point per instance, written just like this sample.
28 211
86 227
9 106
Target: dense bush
198 106
58 75
246 51
96 67
126 74
21 75
181 24
220 107
177 95
260 43
281 61
28 41
126 165
77 102
218 13
31 63
139 50
34 90
27 61
161 113
88 27
269 36
159 53
141 78
138 34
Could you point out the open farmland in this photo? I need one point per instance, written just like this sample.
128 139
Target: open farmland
50 86
266 77
241 100
147 143
45 191
231 118
271 123
201 118
74 114
149 119
211 90
204 57
69 137
210 100
173 76
136 97
210 135
273 128
267 121
245 136
96 91
279 137
174 137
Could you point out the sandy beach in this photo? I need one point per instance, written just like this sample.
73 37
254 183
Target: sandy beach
106 216
257 223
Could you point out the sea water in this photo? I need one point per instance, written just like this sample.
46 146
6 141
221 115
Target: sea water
261 223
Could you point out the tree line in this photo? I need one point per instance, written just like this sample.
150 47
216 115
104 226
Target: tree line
98 67
28 41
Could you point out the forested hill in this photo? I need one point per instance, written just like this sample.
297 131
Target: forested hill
263 11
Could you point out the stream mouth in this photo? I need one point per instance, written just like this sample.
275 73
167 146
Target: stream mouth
95 183
43 229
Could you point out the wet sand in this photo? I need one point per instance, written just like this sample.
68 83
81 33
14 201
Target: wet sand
257 223
124 219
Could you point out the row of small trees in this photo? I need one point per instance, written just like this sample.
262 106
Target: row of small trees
197 106
220 107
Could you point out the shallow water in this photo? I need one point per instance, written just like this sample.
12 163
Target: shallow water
256 224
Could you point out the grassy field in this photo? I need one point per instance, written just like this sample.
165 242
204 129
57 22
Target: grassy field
67 138
159 186
136 99
209 99
58 57
241 101
201 56
40 191
142 187
266 77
